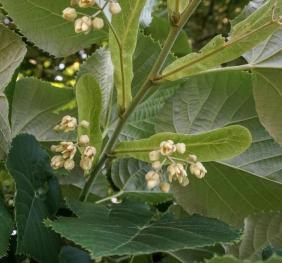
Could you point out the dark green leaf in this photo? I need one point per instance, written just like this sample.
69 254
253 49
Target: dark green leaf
70 254
5 131
230 259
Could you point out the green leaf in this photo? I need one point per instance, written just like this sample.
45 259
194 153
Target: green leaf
230 259
38 107
129 176
219 144
89 103
29 166
215 100
268 98
70 254
131 229
101 67
12 52
6 228
244 36
126 25
5 131
42 23
228 194
260 231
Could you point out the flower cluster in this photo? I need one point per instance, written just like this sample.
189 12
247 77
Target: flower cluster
177 168
85 23
66 150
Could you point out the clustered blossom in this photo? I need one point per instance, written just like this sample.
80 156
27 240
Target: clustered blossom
177 168
65 151
86 23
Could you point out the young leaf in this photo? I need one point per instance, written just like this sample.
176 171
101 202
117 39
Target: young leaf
126 25
35 199
228 194
131 230
6 228
244 36
101 67
5 131
38 107
12 52
42 23
129 176
89 103
219 144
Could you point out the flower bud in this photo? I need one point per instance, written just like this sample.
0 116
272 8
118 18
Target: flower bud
114 8
83 25
154 156
157 165
69 14
198 170
185 181
84 124
86 3
152 175
83 140
86 163
152 184
69 165
180 148
57 162
192 158
165 187
167 147
98 23
90 152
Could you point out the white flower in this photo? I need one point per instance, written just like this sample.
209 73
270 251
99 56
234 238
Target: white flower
198 170
176 172
154 155
69 150
84 124
167 147
86 3
69 14
180 148
83 140
86 163
98 23
157 165
115 8
90 152
67 124
57 162
83 25
69 165
165 187
153 179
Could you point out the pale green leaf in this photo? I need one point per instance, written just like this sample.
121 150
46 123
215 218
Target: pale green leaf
131 229
101 67
12 52
36 199
6 228
244 36
42 23
219 144
177 6
126 25
129 176
37 107
89 104
230 259
228 194
5 131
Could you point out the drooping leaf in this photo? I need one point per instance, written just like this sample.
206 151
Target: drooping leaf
5 131
130 229
35 198
101 67
228 194
70 254
6 228
38 107
129 176
42 23
126 25
215 100
89 103
219 144
12 52
244 36
230 259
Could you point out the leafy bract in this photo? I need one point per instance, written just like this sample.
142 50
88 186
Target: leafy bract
37 197
131 229
12 52
126 25
37 107
219 144
244 36
42 23
89 103
5 131
228 194
6 228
